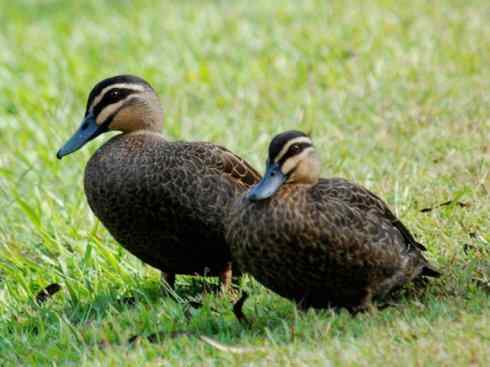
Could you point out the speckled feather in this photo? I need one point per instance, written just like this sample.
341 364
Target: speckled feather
331 244
165 201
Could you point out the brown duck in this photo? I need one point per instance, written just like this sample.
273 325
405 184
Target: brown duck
320 242
163 201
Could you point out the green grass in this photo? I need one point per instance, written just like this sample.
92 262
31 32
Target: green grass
396 94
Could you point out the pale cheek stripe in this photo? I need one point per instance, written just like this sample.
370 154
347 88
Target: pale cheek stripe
110 109
292 162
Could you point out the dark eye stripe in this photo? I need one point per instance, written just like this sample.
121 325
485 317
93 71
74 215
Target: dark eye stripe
292 151
110 98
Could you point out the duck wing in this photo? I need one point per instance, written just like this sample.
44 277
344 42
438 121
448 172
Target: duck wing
237 168
375 215
360 197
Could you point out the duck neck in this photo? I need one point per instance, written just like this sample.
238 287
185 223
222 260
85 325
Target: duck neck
153 117
144 118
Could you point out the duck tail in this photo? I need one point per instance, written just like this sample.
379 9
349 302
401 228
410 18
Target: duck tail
425 269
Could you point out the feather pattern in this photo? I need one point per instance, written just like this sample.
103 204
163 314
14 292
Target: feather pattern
165 201
329 243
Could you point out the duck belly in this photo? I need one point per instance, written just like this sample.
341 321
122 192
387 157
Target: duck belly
308 277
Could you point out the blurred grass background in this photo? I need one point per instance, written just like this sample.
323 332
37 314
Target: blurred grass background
395 94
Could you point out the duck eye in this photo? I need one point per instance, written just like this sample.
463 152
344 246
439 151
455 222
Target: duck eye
113 94
295 148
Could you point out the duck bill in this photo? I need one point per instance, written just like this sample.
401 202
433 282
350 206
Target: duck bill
268 186
87 131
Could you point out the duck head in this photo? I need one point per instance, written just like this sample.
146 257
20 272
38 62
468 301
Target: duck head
292 159
123 103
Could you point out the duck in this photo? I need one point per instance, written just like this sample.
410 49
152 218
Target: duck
320 242
164 201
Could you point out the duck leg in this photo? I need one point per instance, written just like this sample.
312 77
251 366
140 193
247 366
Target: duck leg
303 304
390 284
364 303
168 279
225 277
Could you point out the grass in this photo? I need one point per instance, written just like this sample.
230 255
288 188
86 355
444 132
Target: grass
396 96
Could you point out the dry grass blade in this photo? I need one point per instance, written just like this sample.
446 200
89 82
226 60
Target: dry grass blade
230 349
156 337
47 292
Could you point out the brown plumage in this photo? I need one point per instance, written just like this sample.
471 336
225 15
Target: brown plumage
163 201
320 242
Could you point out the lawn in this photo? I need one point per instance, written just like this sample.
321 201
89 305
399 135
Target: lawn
396 95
